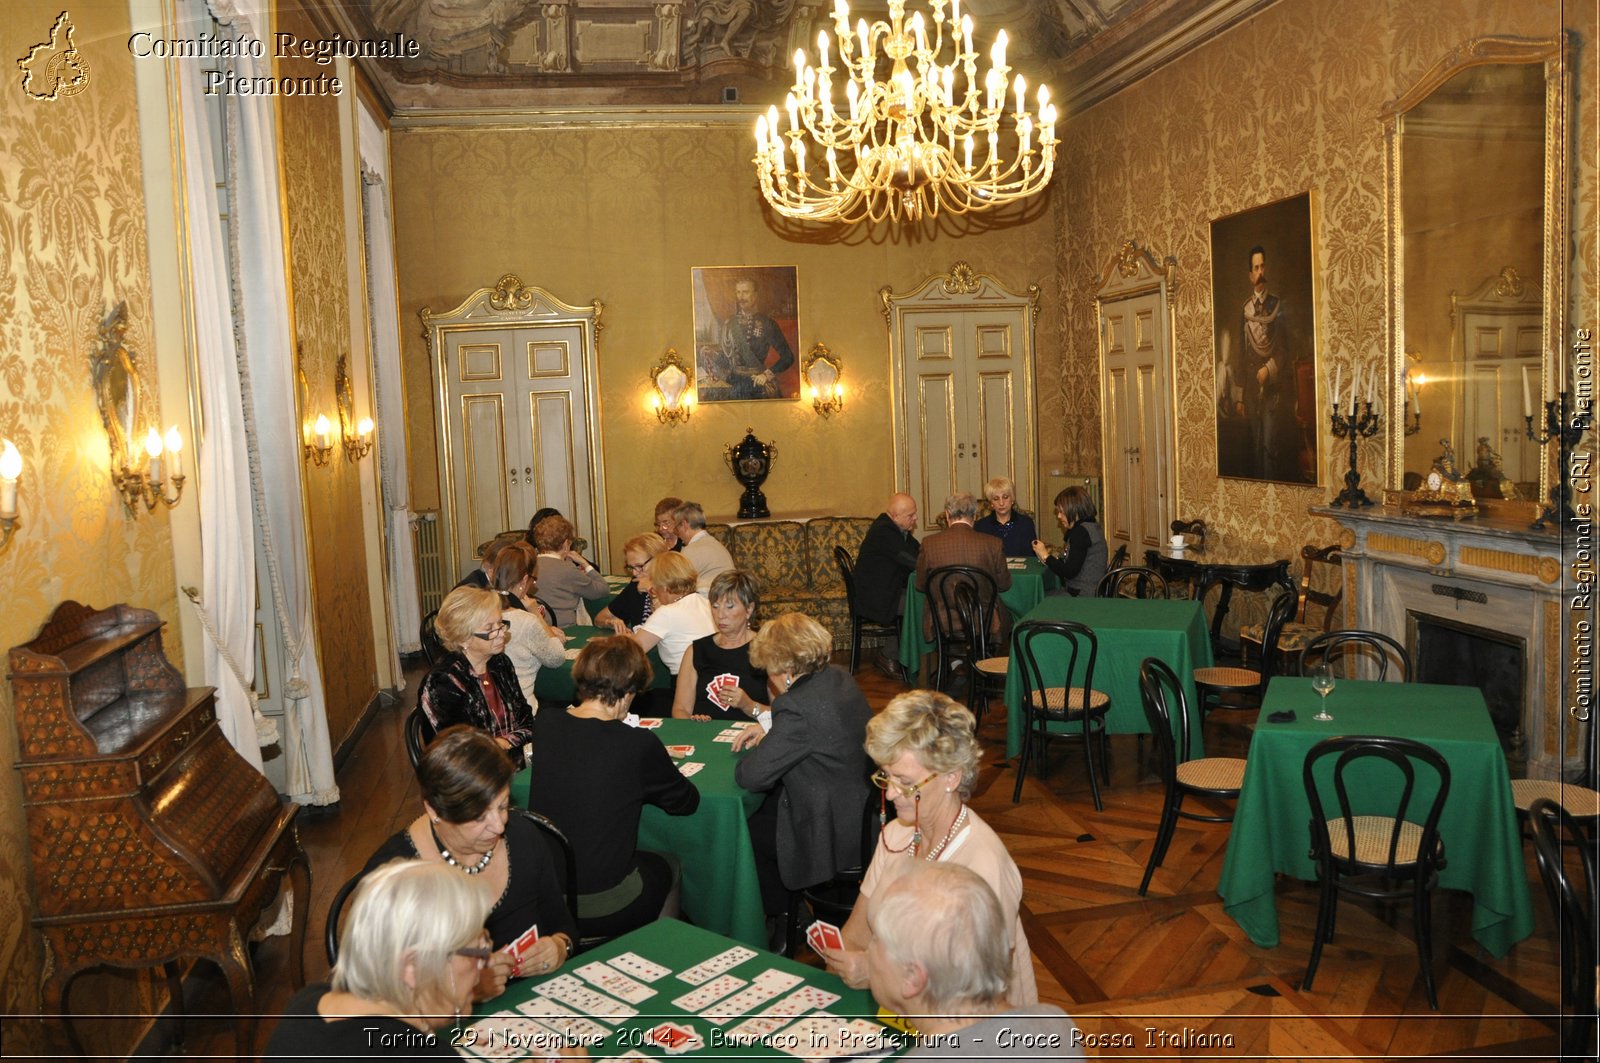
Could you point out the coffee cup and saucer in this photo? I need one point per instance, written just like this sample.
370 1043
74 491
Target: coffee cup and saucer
1178 543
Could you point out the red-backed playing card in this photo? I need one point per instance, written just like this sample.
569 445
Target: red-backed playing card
825 934
519 948
681 751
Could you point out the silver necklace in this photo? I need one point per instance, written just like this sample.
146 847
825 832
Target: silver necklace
933 854
444 854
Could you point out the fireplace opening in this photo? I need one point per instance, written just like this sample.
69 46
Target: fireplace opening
1457 654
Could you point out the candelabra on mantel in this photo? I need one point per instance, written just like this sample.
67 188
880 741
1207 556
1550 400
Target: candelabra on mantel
1360 423
1566 428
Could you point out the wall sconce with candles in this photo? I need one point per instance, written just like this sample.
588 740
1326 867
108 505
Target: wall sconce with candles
10 472
673 398
115 373
320 449
823 372
357 444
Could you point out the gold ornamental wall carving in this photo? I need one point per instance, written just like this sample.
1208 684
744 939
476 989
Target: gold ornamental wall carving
1422 549
1546 569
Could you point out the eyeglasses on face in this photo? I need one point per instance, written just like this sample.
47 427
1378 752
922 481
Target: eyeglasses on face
882 780
481 950
494 631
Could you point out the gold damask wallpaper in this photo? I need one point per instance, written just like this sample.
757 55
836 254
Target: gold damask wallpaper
310 157
1286 102
621 215
72 241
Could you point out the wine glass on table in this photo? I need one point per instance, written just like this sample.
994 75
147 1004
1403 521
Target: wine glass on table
1322 683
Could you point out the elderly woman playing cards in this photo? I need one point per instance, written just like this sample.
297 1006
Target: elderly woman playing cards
810 764
716 680
467 825
927 759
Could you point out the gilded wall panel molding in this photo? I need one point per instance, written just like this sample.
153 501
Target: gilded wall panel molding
1422 549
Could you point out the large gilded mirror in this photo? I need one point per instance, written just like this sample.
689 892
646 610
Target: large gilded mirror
1477 230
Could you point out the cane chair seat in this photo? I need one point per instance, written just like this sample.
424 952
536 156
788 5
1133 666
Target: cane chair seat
1227 678
994 665
1372 840
1292 639
1212 773
1579 801
1054 701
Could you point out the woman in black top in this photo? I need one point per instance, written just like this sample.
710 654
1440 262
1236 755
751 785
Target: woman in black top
409 960
476 683
1084 561
592 775
633 604
468 825
703 690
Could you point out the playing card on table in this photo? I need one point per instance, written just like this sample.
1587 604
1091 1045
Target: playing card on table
570 990
650 723
756 1027
739 1003
715 989
776 980
801 1001
679 752
641 968
565 1021
615 982
705 970
688 768
728 734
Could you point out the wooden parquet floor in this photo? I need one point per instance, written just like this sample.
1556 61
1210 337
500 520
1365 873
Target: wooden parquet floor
1169 975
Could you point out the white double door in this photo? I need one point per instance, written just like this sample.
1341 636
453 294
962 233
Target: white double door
1137 450
967 404
518 431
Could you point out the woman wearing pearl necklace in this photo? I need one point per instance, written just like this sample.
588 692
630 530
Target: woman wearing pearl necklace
927 756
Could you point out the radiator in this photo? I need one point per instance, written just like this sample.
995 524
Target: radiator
431 578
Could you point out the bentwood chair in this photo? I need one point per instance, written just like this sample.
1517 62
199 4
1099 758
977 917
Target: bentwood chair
833 900
330 932
432 644
1046 647
953 639
1182 775
860 626
419 732
1387 857
1246 685
1351 647
1573 901
988 675
1147 583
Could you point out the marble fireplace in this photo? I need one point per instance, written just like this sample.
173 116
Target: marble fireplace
1476 601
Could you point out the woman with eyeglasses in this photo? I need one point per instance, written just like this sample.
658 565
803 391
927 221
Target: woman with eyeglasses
410 953
468 827
634 603
476 683
927 755
810 764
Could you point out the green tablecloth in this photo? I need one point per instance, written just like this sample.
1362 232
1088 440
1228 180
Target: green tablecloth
1028 587
1479 823
555 684
1127 630
680 946
720 891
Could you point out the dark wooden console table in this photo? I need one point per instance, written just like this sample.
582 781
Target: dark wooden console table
152 840
1244 567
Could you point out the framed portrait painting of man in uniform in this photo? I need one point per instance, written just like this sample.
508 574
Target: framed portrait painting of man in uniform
1263 304
746 332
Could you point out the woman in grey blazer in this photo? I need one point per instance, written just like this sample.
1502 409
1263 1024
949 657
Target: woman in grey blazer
812 764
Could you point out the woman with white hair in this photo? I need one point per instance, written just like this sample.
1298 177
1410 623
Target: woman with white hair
927 756
410 952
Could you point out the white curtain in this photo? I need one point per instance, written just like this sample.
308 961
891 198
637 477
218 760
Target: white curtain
228 567
383 310
267 386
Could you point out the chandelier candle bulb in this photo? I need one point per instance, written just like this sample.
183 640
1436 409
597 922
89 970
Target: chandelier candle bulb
174 446
152 447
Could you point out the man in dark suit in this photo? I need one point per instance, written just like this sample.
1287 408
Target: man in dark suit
887 556
961 544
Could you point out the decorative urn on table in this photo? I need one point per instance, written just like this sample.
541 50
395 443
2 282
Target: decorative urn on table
750 461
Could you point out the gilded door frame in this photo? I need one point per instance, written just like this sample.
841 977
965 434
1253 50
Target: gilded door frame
961 289
512 304
1133 272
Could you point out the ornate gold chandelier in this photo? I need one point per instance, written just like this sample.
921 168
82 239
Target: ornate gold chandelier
927 138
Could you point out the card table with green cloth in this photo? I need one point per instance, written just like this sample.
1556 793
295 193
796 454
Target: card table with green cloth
1127 630
616 584
1271 826
679 946
555 684
720 890
1028 586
